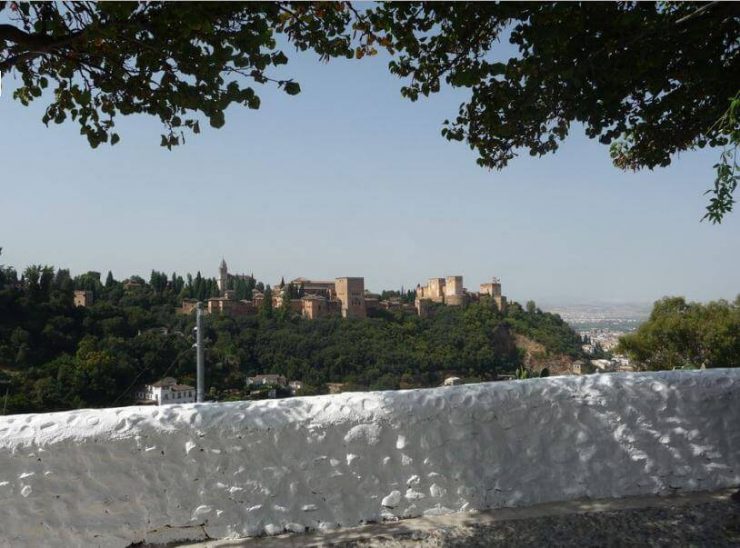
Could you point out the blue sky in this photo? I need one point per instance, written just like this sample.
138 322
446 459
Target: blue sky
349 178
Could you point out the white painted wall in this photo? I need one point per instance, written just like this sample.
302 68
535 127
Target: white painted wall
116 476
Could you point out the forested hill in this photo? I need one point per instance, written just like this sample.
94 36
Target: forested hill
56 356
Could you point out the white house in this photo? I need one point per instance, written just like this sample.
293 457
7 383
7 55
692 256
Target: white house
604 366
166 391
267 380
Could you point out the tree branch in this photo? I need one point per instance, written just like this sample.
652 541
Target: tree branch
11 62
10 33
34 44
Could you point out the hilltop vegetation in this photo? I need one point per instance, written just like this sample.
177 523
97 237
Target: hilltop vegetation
57 356
679 334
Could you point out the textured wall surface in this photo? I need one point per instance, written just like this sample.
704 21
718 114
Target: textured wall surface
116 476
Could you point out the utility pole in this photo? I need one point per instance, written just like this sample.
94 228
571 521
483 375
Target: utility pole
200 390
7 389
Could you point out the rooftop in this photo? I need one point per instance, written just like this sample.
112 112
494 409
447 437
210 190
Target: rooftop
171 383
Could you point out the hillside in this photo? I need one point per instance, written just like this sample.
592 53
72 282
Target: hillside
58 356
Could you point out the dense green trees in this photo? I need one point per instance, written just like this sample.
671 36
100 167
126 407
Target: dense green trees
683 334
199 288
57 356
377 352
243 287
265 310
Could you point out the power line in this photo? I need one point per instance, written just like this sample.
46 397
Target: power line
702 9
180 355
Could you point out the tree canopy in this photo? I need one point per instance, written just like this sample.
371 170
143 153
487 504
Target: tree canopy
682 334
650 79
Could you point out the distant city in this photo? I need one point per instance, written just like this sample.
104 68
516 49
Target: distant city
603 323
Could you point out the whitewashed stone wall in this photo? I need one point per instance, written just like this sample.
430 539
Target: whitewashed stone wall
116 476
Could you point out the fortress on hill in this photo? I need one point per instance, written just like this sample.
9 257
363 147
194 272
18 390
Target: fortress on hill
450 291
344 296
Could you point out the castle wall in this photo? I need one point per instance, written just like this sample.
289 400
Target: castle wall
455 300
113 477
313 287
229 307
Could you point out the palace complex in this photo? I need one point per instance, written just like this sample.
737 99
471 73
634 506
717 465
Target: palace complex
345 296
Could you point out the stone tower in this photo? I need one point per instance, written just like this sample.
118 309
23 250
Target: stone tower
223 276
494 290
454 291
351 293
454 286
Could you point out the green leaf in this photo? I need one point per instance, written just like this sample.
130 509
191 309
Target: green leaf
217 119
279 58
292 88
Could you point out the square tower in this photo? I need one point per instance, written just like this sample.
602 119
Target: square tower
351 293
493 288
454 286
83 297
436 288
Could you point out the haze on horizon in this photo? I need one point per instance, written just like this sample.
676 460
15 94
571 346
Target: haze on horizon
350 179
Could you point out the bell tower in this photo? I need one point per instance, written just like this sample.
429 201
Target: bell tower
223 276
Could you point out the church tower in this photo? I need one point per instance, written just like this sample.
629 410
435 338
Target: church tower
223 276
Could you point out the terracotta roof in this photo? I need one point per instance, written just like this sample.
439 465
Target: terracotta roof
306 281
171 383
311 297
167 381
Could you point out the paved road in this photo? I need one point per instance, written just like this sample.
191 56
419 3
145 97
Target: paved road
698 519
